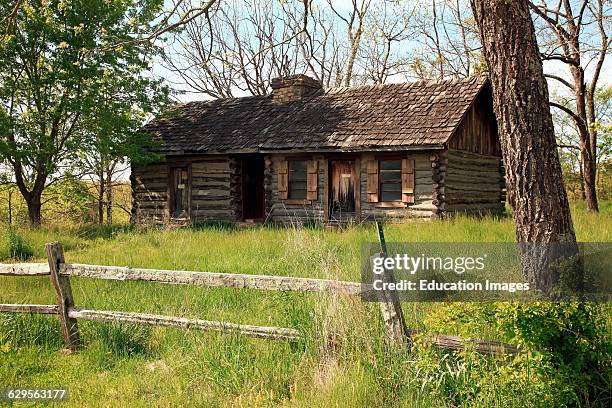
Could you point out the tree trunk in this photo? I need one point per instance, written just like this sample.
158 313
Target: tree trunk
32 198
591 118
101 197
589 181
352 56
587 151
533 172
109 195
34 208
10 207
439 55
581 169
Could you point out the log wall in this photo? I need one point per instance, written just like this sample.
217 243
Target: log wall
150 194
289 211
215 189
471 183
446 182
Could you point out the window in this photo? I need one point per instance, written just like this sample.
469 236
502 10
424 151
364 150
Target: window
390 180
298 174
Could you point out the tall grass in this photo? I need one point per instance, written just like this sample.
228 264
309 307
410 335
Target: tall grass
14 246
123 365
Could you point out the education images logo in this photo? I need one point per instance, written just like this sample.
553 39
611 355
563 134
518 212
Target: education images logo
431 266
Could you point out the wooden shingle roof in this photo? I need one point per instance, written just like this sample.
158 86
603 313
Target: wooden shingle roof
415 115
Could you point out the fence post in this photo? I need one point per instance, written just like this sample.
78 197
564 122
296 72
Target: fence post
390 306
70 330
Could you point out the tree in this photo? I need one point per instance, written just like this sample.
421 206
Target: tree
250 42
68 201
569 153
390 25
56 59
354 21
533 171
363 41
166 20
448 41
578 38
112 135
568 140
603 126
7 188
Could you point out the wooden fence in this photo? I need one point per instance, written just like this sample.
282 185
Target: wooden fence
60 273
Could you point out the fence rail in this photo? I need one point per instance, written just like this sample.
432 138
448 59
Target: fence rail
211 279
42 309
24 269
446 342
61 272
265 332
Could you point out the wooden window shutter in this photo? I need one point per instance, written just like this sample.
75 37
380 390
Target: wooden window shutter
283 179
372 181
408 181
312 180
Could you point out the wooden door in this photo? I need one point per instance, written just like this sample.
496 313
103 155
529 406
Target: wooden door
342 188
179 192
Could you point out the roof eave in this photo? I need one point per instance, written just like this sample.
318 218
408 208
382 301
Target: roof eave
314 150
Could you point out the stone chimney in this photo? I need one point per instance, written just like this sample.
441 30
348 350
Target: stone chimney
293 88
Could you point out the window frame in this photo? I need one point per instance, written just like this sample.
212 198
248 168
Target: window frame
397 181
290 177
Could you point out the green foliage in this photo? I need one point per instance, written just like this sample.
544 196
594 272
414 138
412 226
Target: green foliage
570 156
70 203
565 359
572 342
74 78
72 200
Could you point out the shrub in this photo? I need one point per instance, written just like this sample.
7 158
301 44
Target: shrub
572 343
565 358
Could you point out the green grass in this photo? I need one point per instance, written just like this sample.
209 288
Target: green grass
123 365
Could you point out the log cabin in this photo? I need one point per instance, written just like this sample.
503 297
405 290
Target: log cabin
304 154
